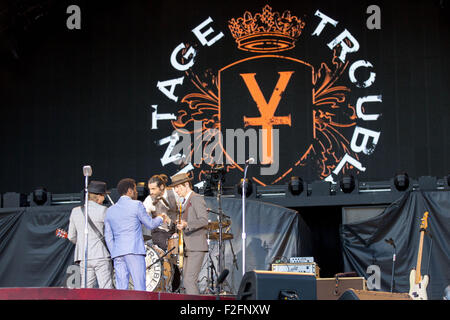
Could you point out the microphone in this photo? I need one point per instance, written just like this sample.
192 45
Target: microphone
390 241
222 276
87 171
250 160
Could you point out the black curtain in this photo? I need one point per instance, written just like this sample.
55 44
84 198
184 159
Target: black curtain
30 253
364 243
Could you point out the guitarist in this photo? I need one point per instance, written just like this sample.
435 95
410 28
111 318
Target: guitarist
193 224
99 260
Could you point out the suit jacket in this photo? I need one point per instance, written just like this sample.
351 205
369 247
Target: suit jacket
197 219
96 249
160 207
123 227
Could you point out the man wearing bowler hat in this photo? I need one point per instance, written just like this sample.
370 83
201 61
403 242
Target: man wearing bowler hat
193 223
99 265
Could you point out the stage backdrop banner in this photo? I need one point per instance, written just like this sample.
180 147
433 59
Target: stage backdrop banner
32 255
313 89
364 243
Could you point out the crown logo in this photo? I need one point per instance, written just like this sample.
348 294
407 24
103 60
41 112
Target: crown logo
267 31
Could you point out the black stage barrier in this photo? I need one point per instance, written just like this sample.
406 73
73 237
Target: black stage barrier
32 256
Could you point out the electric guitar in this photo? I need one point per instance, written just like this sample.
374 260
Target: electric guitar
417 283
61 233
180 243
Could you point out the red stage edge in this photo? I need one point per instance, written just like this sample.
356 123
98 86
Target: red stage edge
97 294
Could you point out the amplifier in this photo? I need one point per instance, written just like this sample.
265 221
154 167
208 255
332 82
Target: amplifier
333 288
307 267
301 259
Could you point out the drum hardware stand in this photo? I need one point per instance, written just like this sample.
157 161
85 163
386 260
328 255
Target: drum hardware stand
212 271
165 254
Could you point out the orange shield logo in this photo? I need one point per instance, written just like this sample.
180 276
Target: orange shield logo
269 85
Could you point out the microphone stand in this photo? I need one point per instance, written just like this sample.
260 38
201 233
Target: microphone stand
391 242
86 230
219 191
244 235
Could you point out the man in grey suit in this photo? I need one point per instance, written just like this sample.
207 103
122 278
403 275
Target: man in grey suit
98 262
194 222
123 235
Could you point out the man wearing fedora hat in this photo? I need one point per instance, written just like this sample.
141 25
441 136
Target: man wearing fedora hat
98 262
193 223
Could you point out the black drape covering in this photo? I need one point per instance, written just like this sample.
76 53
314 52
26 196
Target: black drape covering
32 256
30 253
364 243
273 232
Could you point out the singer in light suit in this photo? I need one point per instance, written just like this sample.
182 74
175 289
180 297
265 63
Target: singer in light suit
194 222
98 260
123 235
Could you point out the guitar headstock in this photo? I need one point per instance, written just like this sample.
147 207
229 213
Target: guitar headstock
61 233
424 224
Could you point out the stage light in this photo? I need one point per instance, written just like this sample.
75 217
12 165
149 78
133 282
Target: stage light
347 183
295 185
248 187
40 196
401 181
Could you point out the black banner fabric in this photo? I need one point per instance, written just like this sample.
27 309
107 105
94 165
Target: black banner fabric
31 254
272 233
351 86
364 243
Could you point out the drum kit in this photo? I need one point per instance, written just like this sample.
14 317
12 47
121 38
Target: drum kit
162 274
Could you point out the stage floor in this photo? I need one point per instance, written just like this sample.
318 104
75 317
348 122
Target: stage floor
97 294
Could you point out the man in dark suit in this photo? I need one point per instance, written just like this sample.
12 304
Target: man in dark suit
194 222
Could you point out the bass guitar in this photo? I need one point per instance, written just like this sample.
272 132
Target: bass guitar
418 283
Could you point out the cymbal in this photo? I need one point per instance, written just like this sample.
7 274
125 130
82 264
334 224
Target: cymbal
214 225
215 236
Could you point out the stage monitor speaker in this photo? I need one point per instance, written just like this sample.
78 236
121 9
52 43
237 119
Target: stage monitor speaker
353 294
269 285
359 213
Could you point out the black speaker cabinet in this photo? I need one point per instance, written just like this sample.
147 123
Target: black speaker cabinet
270 285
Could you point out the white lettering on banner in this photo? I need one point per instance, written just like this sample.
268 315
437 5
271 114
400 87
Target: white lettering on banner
358 64
160 116
172 141
202 36
162 86
346 159
190 53
364 144
323 22
340 40
359 104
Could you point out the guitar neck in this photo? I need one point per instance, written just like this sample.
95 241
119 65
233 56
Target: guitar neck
419 258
